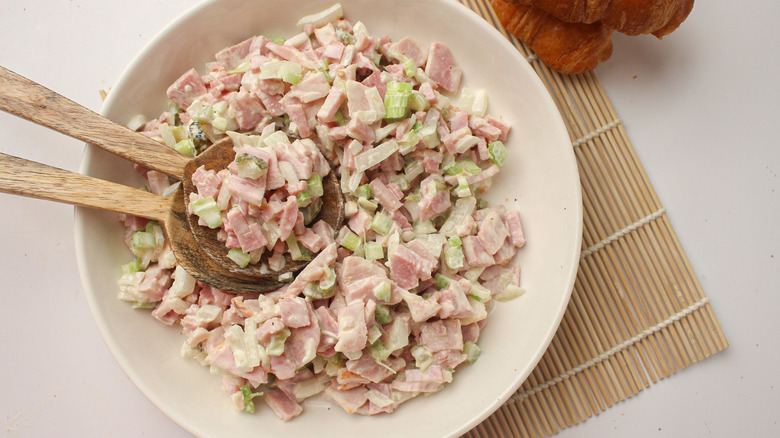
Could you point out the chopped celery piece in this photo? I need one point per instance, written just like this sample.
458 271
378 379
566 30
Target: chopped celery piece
186 147
250 166
472 351
296 251
207 209
241 258
418 102
497 152
363 191
454 257
304 198
381 223
455 241
397 99
382 314
313 291
339 118
373 251
241 68
373 334
401 181
378 352
470 167
248 395
369 205
143 240
132 267
423 358
442 281
409 68
510 292
479 292
351 241
287 71
314 185
453 169
383 291
328 279
275 346
462 190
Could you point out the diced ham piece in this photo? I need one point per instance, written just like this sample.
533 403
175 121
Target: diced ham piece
314 270
433 202
442 335
231 57
409 48
248 233
475 253
247 108
294 311
492 232
349 400
442 69
206 181
288 217
331 105
352 328
512 219
385 196
187 89
407 267
284 406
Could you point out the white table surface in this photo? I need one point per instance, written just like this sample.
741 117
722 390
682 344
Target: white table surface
701 107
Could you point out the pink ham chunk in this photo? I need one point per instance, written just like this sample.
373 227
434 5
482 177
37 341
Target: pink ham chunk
187 89
512 219
441 68
247 108
331 105
385 196
284 406
407 267
475 253
294 311
248 232
442 335
409 48
492 232
352 328
314 271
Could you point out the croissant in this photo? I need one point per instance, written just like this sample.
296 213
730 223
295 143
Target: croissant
573 36
631 17
565 47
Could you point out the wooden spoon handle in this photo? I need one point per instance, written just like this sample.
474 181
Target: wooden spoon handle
32 101
35 180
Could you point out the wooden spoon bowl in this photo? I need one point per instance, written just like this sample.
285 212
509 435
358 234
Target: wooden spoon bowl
217 157
204 257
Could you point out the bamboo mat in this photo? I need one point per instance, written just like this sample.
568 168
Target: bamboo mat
637 312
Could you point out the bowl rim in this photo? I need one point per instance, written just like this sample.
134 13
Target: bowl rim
521 375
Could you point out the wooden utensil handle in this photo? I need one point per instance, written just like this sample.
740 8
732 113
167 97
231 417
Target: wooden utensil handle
32 101
35 180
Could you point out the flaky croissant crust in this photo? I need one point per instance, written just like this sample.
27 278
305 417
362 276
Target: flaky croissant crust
631 17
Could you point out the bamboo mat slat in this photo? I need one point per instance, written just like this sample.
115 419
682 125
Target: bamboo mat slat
637 312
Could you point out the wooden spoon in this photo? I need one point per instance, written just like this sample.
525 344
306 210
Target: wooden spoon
203 257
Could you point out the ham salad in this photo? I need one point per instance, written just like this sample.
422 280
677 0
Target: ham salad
393 301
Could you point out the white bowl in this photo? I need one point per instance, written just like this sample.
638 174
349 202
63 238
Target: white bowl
540 179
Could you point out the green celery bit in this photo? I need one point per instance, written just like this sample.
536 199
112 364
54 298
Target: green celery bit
453 169
373 251
470 167
241 258
248 395
275 346
250 166
378 352
186 147
383 291
314 185
409 67
351 241
381 223
472 351
455 241
297 253
442 281
454 257
339 119
373 334
207 209
418 102
423 358
382 314
132 267
363 191
314 291
304 198
369 205
497 152
328 280
397 99
143 240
